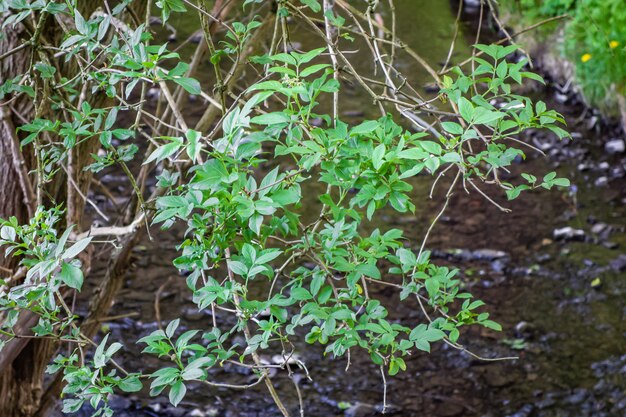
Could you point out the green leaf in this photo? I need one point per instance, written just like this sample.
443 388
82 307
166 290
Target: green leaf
165 151
177 393
76 248
431 147
324 294
191 85
271 118
313 5
364 128
301 294
492 325
466 108
130 384
561 182
377 156
533 76
71 275
81 23
452 127
313 69
171 328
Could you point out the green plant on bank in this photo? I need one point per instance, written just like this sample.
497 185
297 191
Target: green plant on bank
248 251
594 40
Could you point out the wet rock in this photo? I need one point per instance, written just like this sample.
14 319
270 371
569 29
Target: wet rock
618 264
599 228
547 402
152 94
604 166
579 395
207 412
588 262
561 98
615 146
543 257
498 266
568 233
522 328
601 181
610 245
619 407
280 360
361 410
525 411
488 254
617 172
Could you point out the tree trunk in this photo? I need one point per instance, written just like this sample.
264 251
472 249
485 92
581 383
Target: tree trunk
21 380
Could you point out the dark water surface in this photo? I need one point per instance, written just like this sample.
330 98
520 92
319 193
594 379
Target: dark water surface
561 302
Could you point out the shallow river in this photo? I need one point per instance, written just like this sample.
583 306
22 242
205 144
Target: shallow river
560 301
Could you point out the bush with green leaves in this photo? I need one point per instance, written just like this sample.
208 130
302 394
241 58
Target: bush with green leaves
237 188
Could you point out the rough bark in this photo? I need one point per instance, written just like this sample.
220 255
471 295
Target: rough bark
23 360
20 378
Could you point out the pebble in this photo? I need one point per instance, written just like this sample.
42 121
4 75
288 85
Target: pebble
615 146
360 410
568 233
598 228
601 181
472 3
610 245
488 254
618 264
577 397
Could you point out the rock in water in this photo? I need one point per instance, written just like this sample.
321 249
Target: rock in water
568 233
615 146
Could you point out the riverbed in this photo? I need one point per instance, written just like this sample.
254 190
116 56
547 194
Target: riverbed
552 272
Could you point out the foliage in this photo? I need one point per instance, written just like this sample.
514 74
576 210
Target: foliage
248 248
594 41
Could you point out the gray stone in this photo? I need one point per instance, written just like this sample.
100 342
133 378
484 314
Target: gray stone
615 146
598 228
488 254
601 181
619 264
568 233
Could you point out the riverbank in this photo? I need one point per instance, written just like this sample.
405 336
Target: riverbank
579 45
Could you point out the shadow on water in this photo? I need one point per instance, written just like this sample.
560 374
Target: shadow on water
560 301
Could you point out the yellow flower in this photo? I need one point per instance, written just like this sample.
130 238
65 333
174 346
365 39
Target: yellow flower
585 57
613 44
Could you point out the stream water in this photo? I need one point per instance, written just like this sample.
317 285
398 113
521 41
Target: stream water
560 300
